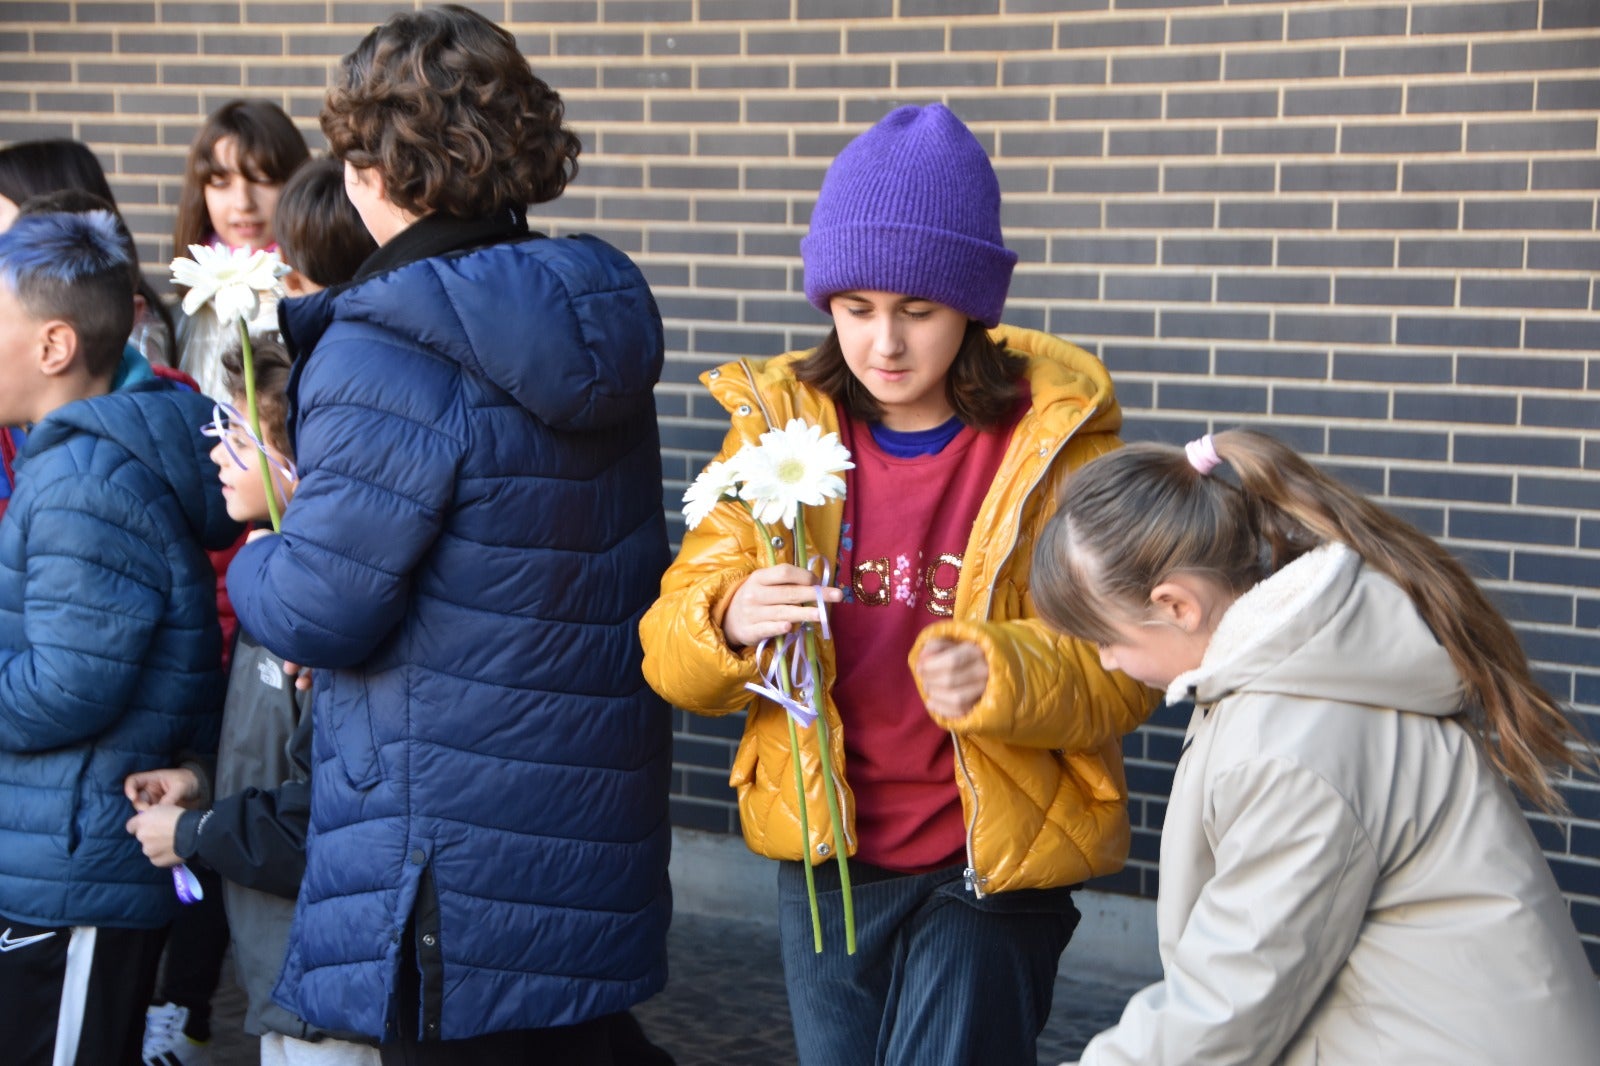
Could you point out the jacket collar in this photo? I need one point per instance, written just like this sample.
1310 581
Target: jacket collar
434 235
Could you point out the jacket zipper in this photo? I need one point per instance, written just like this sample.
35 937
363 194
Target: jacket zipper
833 778
971 878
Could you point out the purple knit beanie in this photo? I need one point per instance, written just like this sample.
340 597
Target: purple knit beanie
911 206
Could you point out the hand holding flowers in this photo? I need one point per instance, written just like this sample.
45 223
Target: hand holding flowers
780 607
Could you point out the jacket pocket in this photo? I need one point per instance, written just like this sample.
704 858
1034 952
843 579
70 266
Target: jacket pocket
350 725
79 801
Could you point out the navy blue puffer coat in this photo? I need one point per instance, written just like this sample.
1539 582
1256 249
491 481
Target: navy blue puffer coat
477 531
110 656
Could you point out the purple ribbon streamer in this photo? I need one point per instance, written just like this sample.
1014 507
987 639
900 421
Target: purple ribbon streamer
792 646
187 885
225 422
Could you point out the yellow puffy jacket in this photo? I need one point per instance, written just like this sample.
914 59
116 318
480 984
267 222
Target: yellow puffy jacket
1038 761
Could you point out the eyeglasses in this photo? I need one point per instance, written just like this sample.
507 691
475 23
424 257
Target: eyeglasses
233 430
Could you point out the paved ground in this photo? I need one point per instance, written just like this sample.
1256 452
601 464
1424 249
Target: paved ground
724 1004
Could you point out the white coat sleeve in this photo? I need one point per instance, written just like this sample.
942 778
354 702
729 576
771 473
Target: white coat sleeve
1295 870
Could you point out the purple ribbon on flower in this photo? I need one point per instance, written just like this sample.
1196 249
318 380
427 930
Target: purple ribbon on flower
187 885
226 421
792 646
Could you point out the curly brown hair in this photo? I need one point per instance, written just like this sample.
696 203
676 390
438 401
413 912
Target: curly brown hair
444 106
273 364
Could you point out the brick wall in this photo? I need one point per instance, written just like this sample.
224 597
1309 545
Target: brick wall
1369 227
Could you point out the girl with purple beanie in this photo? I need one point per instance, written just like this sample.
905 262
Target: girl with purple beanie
976 754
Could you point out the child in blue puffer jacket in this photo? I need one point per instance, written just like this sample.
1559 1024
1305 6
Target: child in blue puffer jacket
109 646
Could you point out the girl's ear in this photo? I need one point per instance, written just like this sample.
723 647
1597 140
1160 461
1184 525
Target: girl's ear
1179 602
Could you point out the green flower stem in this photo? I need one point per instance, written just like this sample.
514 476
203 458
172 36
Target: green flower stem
799 773
255 423
824 738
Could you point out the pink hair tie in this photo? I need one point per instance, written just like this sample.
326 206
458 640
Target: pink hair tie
1202 454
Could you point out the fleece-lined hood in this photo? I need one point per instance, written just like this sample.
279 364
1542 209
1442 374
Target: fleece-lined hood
1327 626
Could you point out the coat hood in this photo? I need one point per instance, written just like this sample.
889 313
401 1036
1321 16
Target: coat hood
1327 626
566 326
158 426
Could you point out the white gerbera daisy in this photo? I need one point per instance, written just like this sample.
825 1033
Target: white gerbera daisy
231 280
717 482
791 466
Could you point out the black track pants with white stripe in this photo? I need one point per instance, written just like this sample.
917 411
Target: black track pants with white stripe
74 996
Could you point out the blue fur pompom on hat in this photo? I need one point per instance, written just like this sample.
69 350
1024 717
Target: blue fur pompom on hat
911 206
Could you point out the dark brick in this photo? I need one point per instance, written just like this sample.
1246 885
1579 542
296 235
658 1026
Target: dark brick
649 144
915 8
1379 443
1501 449
1550 610
1485 253
1226 325
1002 109
840 76
1151 359
1392 366
1476 18
1567 15
1122 250
1272 289
1531 136
1182 68
1014 143
1053 72
1388 21
1335 252
695 44
1156 288
1082 178
793 42
116 12
1003 37
1218 178
1067 320
647 76
1398 215
1330 403
1450 485
1275 214
303 77
1506 175
1404 139
843 9
1332 328
1470 96
1213 29
742 144
1520 372
791 312
1581 414
1564 255
1026 179
1163 214
643 208
600 44
896 40
1215 251
793 177
1566 174
1278 141
115 133
741 278
1055 214
1528 214
1230 399
791 109
749 10
1339 177
21 11
649 10
1527 292
865 111
1287 65
694 110
1075 33
1559 492
99 102
1569 94
1222 105
1405 59
1140 142
1455 407
1458 332
786 245
1518 527
1538 54
241 44
735 342
1271 363
1070 107
1364 100
62 42
1395 291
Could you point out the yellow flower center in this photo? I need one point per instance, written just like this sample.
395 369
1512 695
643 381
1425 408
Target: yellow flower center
791 471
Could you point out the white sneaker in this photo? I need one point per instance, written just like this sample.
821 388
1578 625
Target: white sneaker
166 1044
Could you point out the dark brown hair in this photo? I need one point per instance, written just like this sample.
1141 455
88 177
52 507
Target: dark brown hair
982 385
443 105
319 231
272 365
1135 516
30 170
268 149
